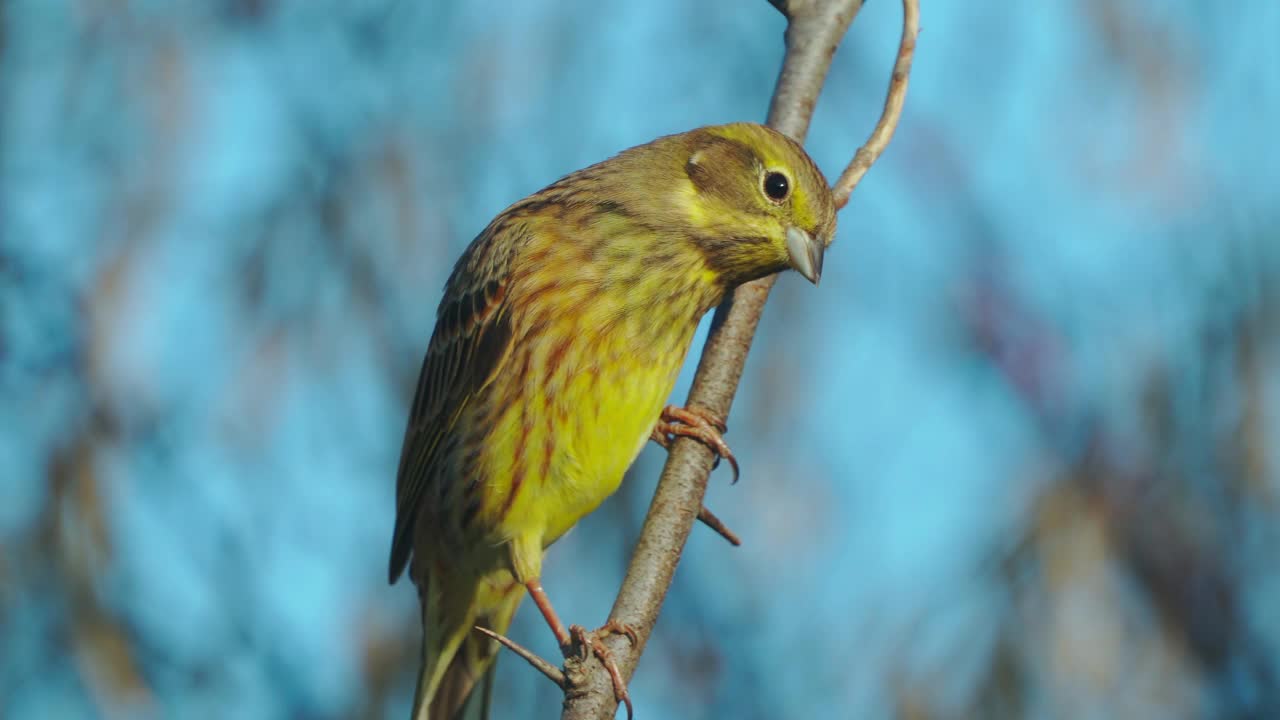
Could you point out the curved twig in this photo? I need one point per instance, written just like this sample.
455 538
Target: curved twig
883 132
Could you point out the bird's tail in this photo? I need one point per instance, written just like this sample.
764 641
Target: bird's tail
457 663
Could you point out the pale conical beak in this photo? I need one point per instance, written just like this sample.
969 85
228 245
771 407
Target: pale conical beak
806 254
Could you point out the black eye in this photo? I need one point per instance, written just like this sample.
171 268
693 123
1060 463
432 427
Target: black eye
776 186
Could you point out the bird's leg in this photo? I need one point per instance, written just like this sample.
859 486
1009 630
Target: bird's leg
543 602
698 423
577 637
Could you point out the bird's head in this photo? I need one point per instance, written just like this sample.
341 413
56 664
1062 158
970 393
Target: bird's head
755 203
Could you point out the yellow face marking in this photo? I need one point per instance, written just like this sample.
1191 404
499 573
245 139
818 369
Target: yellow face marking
690 203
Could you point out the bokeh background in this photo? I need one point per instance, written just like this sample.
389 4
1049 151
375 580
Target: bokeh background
1016 458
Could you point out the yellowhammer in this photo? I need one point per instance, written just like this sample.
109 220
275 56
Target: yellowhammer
560 335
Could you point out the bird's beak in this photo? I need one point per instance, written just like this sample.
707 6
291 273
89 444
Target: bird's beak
806 254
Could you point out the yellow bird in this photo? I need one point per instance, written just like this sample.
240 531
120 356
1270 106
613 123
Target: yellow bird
561 333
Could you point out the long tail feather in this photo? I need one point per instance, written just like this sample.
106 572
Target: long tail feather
455 658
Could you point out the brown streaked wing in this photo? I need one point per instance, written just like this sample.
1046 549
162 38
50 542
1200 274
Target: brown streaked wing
471 340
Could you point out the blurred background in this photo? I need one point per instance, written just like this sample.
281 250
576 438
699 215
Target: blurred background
1018 457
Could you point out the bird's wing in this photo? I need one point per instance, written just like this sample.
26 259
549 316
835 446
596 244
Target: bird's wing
472 338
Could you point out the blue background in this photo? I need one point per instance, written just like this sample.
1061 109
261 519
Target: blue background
1017 457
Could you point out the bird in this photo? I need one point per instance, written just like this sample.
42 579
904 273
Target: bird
560 335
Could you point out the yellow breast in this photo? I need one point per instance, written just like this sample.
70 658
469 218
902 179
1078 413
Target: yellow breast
582 394
600 329
587 403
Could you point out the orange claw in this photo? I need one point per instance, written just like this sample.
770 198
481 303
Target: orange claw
620 628
589 642
698 423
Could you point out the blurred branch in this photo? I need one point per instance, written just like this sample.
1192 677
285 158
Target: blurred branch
814 31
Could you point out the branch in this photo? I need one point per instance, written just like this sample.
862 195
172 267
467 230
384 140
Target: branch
814 31
551 671
709 519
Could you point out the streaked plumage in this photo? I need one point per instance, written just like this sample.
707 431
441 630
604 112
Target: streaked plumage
559 338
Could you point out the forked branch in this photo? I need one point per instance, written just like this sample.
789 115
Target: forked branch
814 31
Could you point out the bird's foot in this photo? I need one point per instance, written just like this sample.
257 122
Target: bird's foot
670 424
588 643
699 424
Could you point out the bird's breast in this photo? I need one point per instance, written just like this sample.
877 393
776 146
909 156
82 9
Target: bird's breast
588 384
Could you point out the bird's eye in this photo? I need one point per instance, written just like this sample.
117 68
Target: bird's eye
776 186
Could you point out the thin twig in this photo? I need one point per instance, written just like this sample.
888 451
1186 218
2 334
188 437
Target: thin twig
709 519
814 30
551 671
883 132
